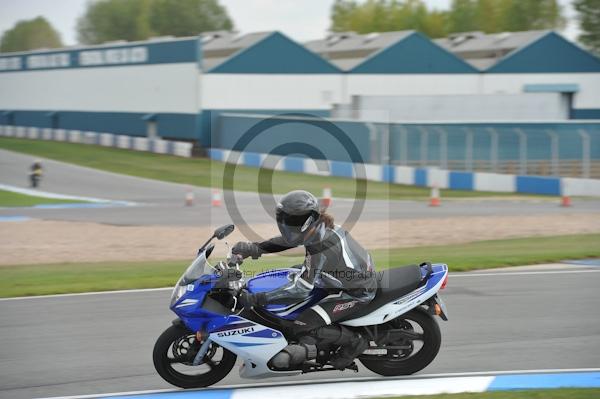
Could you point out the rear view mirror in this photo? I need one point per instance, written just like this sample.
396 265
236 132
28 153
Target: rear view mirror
224 231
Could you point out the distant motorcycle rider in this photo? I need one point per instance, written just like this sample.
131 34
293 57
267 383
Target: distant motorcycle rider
36 173
336 267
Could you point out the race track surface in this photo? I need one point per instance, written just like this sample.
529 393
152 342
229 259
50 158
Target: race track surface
162 203
540 318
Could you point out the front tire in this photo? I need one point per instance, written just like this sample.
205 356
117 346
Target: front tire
174 352
407 361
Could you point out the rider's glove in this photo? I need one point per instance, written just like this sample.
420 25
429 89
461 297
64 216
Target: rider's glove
246 249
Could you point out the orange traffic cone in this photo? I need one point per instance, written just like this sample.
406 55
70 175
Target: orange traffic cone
326 201
216 197
434 199
565 201
189 197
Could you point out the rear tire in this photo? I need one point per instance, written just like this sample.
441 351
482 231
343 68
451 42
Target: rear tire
165 349
412 363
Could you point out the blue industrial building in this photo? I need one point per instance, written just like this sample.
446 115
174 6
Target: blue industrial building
203 89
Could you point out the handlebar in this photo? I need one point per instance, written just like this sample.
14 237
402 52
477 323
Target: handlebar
235 260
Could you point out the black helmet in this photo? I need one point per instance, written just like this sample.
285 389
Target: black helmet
297 213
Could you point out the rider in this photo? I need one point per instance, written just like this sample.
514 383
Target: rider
335 266
36 172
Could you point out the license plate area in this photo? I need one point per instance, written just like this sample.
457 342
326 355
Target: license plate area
439 301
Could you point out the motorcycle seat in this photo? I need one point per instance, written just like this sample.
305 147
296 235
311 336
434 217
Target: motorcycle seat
391 284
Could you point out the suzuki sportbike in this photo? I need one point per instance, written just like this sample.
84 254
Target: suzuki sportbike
213 329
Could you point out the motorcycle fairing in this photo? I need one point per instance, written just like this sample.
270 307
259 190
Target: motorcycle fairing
190 307
402 305
269 280
296 294
255 343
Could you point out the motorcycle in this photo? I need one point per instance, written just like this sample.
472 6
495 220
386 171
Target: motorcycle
35 177
213 328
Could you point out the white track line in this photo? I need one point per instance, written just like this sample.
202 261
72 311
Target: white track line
46 194
87 293
330 380
452 275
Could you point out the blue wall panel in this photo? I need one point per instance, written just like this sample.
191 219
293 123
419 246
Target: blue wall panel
421 177
460 181
583 113
292 164
388 173
538 185
169 51
311 137
342 169
216 154
211 128
252 159
32 118
180 126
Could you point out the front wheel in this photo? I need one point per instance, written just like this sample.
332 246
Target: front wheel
174 354
404 352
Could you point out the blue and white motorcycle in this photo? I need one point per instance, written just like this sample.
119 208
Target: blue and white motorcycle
213 329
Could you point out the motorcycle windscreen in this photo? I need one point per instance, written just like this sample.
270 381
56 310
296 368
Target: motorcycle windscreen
197 269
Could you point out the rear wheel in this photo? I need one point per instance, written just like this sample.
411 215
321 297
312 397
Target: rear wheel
174 354
403 354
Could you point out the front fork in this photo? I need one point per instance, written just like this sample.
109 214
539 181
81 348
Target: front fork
203 348
202 352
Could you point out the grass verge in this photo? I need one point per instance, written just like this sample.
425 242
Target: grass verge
206 173
24 280
11 199
582 393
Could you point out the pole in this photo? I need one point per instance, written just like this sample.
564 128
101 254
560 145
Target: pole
522 151
424 146
375 157
403 146
443 147
385 144
585 153
493 148
554 154
468 149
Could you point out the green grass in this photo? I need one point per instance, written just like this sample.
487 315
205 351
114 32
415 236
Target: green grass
10 199
68 278
581 393
206 173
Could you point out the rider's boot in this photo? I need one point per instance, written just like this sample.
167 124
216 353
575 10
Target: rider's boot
352 344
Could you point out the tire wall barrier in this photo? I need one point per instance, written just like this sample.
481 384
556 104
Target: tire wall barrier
159 146
424 177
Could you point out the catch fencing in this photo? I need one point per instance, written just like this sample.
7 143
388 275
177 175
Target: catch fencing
568 149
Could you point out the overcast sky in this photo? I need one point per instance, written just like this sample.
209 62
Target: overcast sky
300 19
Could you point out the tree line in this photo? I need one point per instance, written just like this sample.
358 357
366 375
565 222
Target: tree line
489 16
109 20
